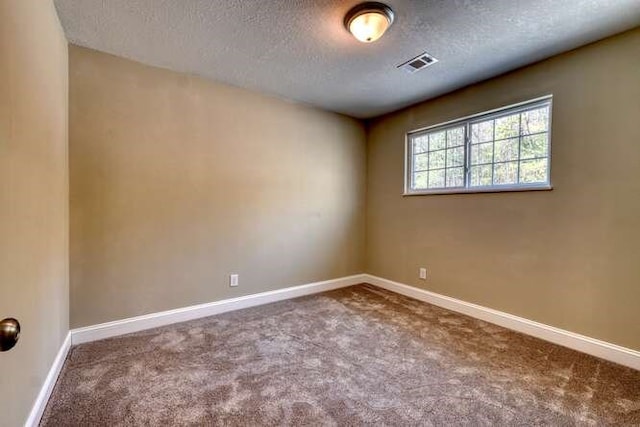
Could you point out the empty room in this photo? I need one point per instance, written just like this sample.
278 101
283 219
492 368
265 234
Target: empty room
319 213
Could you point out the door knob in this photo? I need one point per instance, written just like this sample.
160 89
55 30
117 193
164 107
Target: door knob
9 333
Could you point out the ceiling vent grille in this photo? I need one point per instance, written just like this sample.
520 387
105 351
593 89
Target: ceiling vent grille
418 63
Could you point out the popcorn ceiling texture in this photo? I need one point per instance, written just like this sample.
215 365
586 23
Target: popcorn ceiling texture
355 356
299 50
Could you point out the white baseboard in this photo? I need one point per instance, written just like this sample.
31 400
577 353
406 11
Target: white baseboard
602 349
592 346
153 320
47 387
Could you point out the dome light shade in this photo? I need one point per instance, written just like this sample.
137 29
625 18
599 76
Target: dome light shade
369 21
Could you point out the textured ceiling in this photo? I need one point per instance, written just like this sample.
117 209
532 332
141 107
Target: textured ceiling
299 50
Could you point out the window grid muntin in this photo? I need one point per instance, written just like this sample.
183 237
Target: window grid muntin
445 148
493 151
507 161
543 104
520 145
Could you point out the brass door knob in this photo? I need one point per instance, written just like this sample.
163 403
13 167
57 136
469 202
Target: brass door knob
9 333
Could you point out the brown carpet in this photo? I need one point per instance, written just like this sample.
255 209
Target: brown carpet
355 356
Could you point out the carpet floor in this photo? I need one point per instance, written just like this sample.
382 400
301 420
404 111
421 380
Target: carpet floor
354 356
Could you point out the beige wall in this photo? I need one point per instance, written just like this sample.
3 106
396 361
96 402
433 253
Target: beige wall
34 279
568 257
177 182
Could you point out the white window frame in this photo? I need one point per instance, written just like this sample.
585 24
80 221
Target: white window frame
467 121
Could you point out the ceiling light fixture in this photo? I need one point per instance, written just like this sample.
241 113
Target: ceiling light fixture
368 21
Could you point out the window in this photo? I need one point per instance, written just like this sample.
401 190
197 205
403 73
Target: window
501 150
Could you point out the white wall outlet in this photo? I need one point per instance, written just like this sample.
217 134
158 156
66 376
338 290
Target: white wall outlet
233 280
423 273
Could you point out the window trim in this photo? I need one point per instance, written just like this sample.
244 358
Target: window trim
467 121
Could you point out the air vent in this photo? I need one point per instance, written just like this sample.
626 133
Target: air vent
418 63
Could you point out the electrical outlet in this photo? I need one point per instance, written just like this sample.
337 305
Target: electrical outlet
423 273
233 280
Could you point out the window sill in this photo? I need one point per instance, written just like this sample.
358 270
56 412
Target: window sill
505 189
